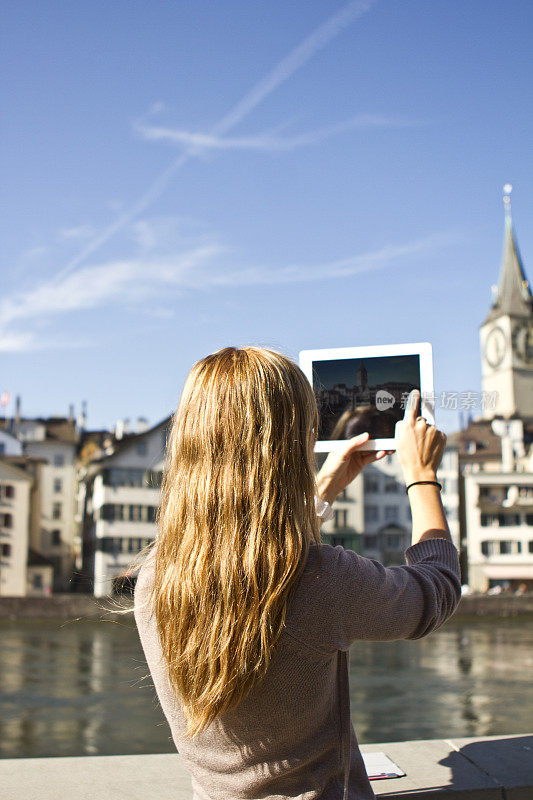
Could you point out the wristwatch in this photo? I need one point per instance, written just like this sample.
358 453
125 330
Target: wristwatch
323 509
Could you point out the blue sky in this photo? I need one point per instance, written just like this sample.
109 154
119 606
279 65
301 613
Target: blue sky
180 176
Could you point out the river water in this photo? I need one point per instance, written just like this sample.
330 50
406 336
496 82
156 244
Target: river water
78 688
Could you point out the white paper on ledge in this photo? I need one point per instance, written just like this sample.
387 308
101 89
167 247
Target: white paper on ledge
379 765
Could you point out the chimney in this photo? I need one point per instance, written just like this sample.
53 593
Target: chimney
15 422
71 412
82 417
119 429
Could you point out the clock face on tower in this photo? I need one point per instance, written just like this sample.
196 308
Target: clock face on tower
522 339
495 347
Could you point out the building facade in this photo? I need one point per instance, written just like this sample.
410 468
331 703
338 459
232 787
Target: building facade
15 492
54 441
496 451
118 497
373 515
499 522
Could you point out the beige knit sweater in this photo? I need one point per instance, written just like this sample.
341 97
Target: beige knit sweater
292 736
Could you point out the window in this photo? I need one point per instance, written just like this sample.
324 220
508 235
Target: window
341 518
37 582
391 513
370 541
134 545
8 491
499 520
492 547
133 477
530 546
120 476
510 520
108 544
6 550
152 511
135 513
408 513
6 520
2 448
107 512
56 537
371 513
113 512
394 540
508 547
56 510
59 460
529 519
58 485
142 448
391 487
525 491
371 484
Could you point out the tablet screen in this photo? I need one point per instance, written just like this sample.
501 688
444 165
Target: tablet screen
355 395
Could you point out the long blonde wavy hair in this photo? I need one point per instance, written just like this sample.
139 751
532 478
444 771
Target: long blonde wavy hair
235 521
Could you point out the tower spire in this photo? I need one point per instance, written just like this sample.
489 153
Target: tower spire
513 295
507 189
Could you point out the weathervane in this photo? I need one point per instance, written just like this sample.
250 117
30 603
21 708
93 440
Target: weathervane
507 189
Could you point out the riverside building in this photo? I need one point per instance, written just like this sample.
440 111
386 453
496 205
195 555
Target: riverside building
118 496
496 450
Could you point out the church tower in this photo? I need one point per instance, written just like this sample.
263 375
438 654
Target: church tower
506 335
362 376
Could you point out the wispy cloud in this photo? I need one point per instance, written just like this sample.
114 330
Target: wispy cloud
389 256
151 282
77 233
35 252
283 70
267 141
16 342
117 282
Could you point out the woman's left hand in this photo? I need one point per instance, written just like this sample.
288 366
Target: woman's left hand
341 467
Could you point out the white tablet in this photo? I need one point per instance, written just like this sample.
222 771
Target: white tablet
361 389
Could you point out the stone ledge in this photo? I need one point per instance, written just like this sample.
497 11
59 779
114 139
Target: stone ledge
489 768
87 607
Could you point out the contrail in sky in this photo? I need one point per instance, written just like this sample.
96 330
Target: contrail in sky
292 62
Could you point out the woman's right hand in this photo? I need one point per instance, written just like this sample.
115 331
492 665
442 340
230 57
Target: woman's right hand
419 446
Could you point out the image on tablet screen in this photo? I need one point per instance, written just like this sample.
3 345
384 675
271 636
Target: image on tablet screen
355 395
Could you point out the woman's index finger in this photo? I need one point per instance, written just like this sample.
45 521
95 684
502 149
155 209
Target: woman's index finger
412 406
